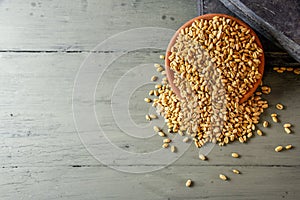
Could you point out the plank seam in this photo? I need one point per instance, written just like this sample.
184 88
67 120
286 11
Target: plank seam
191 165
200 7
277 53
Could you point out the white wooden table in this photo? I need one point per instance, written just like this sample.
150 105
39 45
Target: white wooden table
43 44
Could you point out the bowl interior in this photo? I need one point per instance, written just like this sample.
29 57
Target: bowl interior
170 73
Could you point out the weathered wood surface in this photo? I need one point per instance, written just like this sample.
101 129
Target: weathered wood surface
40 140
41 154
97 182
79 25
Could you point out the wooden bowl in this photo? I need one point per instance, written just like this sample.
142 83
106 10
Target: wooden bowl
170 73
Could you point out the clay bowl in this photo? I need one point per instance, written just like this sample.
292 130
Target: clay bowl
170 73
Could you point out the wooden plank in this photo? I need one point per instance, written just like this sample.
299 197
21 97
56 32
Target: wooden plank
80 25
169 183
42 156
37 91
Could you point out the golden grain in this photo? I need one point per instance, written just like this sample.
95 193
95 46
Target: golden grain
259 132
167 140
223 177
159 69
235 155
158 86
161 134
265 124
173 149
241 140
162 57
165 145
147 100
280 71
186 139
279 106
154 78
287 147
151 92
147 117
297 71
249 135
152 116
202 157
156 129
188 183
278 148
275 119
287 130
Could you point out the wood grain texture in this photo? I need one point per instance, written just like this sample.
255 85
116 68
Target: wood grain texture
169 183
40 148
79 25
41 154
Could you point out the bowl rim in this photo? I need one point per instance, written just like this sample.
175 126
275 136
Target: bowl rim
170 73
